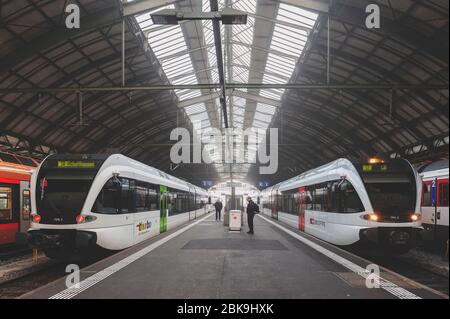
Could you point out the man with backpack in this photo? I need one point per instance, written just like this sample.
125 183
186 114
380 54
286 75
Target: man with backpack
252 209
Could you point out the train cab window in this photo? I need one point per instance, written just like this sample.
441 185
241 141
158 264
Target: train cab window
6 212
443 195
349 199
427 195
108 200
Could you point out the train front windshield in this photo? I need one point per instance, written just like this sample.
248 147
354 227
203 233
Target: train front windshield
59 201
62 186
392 190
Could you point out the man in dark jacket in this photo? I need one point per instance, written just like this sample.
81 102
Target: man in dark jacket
218 205
252 209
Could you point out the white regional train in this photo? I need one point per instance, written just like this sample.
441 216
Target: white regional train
84 202
345 203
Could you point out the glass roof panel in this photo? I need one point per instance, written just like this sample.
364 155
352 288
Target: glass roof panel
287 42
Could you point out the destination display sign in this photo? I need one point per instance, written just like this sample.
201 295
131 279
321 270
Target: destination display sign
76 164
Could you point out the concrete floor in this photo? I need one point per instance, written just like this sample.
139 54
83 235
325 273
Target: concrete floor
207 261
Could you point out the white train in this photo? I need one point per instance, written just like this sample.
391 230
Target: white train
435 201
345 203
112 202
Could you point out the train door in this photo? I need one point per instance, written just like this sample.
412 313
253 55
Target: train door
301 208
163 210
25 206
441 221
275 203
9 212
192 204
429 203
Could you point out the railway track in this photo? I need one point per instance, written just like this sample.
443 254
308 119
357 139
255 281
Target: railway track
51 271
14 251
408 269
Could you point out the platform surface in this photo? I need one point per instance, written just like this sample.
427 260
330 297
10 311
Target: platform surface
208 261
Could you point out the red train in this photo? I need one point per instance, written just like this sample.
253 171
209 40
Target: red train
15 173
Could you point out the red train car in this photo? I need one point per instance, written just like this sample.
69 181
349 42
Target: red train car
15 173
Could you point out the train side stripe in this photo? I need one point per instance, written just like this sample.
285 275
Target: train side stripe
384 284
85 284
9 180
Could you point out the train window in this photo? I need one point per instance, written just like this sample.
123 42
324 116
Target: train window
26 161
108 200
192 201
179 201
8 158
152 201
125 196
288 202
427 195
443 195
6 213
318 198
349 199
141 195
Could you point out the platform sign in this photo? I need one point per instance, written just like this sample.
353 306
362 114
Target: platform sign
162 209
207 184
433 192
263 184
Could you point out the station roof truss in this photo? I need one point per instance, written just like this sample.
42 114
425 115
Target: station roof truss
283 42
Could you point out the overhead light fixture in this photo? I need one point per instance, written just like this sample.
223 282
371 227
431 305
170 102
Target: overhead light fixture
166 16
232 16
172 16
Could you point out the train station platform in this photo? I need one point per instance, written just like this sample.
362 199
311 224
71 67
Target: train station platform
204 260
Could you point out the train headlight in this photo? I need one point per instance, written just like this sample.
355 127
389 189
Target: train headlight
80 219
415 217
372 217
36 218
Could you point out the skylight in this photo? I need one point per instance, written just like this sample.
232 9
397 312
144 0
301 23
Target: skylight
291 27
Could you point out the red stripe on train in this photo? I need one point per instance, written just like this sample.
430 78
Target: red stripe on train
9 226
9 180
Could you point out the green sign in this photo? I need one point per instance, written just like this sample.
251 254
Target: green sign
162 209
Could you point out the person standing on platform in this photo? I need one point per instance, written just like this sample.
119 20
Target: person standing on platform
252 209
218 205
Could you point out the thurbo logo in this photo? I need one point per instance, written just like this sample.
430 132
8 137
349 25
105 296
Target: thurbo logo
144 226
230 146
